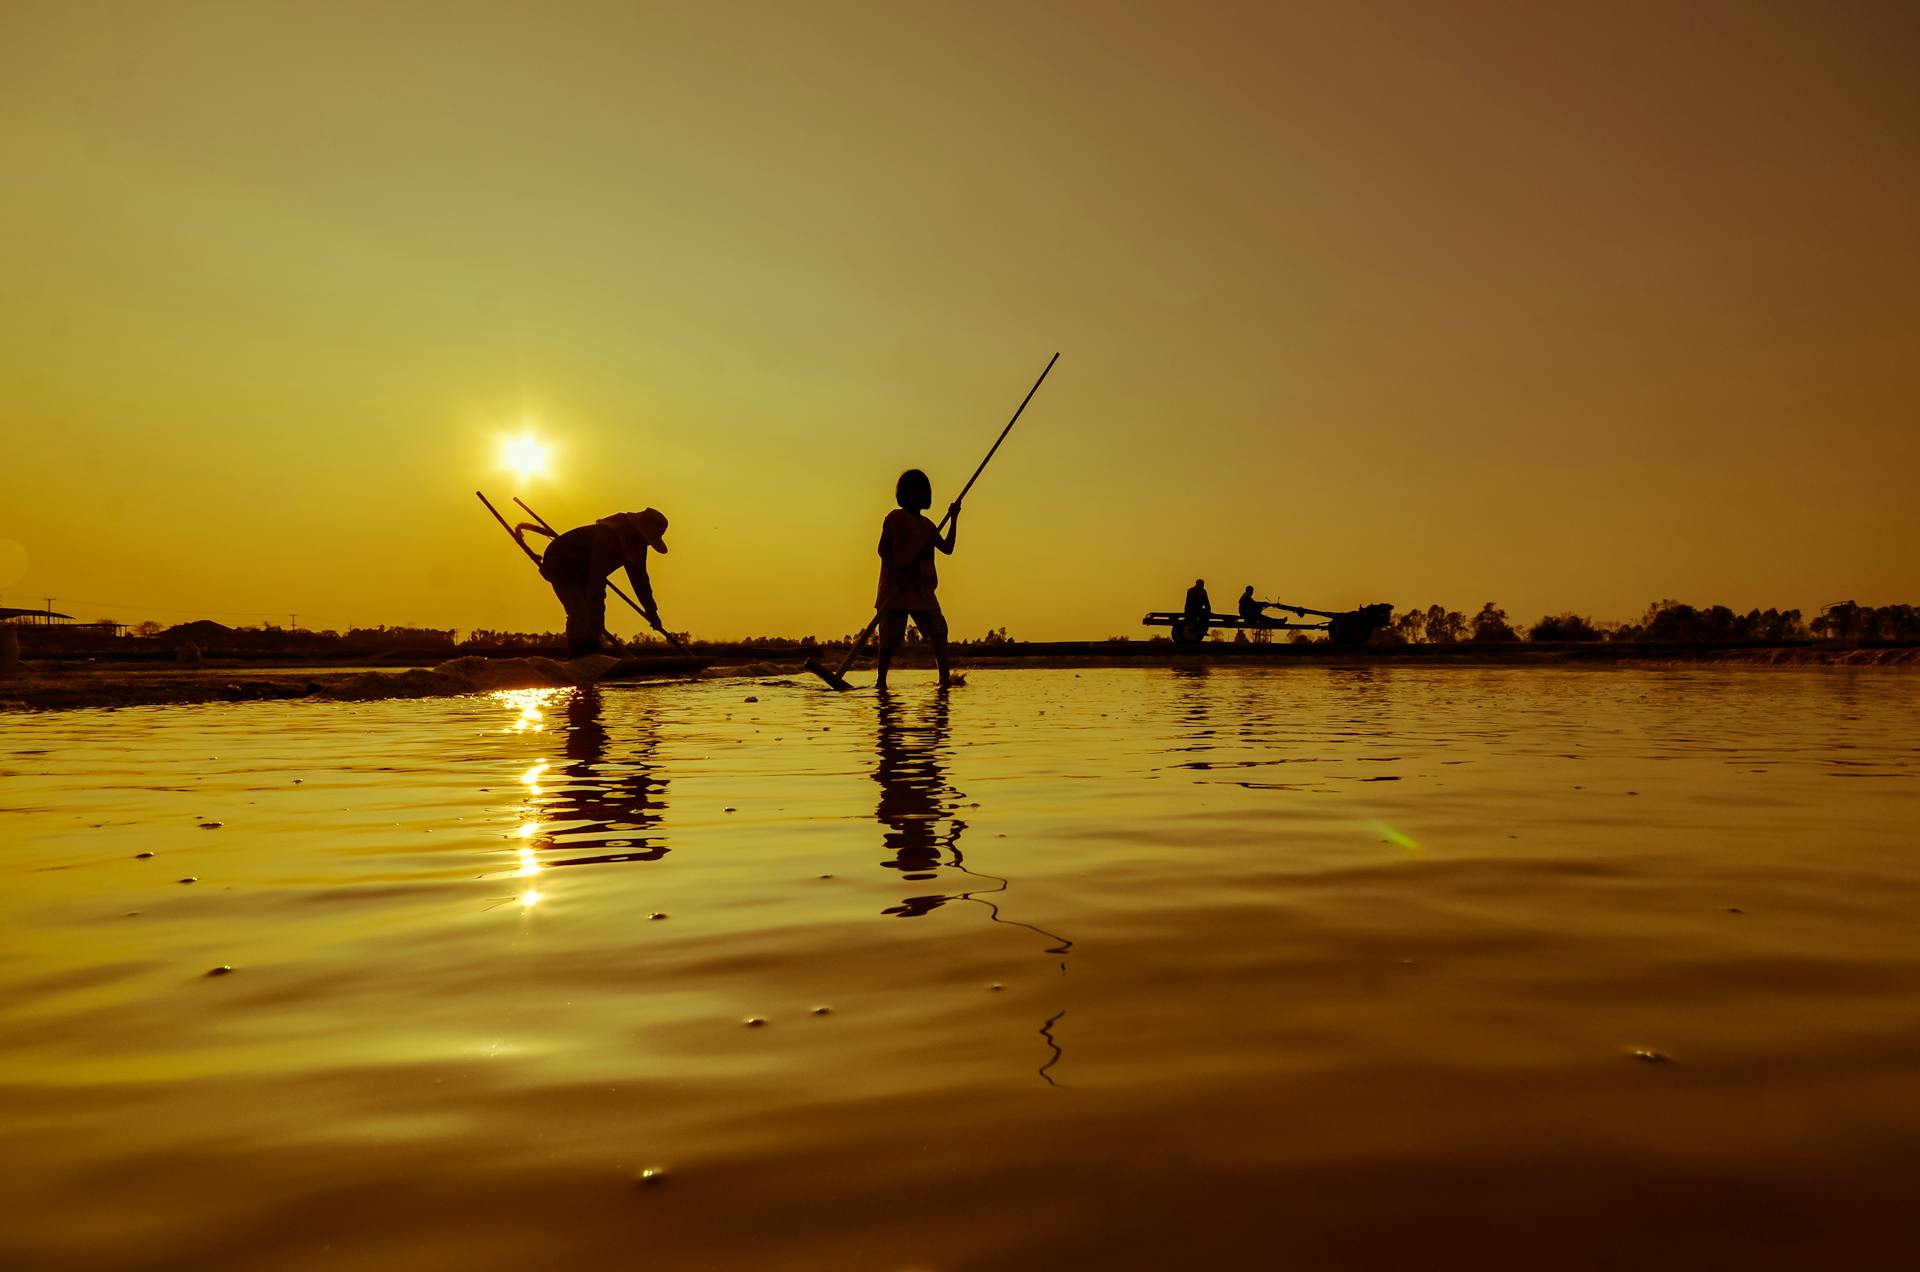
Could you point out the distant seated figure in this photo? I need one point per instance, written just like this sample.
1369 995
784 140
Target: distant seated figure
578 562
1252 611
1198 606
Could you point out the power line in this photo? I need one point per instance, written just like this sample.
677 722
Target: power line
172 609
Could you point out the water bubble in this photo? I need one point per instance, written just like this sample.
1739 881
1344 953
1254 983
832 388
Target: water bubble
729 809
191 879
755 1022
823 1011
211 825
996 986
221 970
749 698
651 1177
141 856
1648 1055
657 915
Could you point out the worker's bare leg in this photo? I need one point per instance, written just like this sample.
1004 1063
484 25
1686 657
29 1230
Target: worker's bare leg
893 630
934 627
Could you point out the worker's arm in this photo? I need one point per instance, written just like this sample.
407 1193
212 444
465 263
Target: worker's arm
643 590
953 530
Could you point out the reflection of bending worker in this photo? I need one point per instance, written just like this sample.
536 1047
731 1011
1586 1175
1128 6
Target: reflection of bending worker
578 562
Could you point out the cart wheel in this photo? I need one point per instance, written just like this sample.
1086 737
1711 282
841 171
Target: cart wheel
1189 631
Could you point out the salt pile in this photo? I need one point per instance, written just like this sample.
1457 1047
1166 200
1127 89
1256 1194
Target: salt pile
472 675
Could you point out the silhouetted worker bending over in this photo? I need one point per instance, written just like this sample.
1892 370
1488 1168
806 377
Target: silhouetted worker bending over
1198 606
577 564
908 540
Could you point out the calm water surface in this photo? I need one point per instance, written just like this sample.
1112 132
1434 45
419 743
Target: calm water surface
1301 968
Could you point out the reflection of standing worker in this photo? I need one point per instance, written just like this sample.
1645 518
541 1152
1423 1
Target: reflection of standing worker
916 803
908 540
578 562
1198 606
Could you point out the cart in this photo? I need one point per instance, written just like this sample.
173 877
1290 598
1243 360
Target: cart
1347 627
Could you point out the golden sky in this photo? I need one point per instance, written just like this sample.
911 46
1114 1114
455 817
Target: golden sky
1563 306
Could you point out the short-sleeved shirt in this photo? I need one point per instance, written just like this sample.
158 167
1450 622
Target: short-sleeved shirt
907 574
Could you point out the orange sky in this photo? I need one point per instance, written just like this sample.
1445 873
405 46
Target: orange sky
1560 306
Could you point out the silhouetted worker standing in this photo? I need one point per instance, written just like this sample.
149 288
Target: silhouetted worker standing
908 540
1198 606
578 562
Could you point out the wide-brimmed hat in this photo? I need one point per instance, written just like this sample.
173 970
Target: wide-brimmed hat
649 525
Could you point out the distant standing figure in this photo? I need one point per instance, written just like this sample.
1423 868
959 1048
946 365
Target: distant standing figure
1198 606
578 562
908 540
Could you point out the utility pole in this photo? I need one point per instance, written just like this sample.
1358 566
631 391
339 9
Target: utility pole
48 619
293 622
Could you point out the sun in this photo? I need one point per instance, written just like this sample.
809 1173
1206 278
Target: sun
525 456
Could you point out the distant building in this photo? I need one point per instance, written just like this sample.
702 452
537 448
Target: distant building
26 617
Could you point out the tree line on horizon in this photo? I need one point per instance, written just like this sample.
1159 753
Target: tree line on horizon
1664 622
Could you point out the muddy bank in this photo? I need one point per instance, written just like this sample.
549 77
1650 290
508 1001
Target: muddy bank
1322 654
43 687
52 688
1901 656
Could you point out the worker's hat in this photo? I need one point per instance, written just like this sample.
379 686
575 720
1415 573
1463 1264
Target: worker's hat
649 525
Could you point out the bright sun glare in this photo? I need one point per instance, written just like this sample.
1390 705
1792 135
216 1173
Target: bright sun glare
525 456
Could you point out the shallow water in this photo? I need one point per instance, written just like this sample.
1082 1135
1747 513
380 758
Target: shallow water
1137 968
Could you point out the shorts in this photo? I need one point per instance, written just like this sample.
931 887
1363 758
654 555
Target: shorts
932 624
